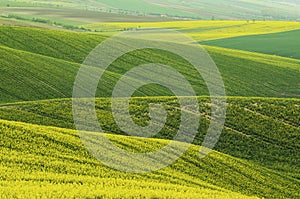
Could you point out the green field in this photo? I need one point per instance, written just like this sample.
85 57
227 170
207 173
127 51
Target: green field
285 44
200 9
257 155
44 63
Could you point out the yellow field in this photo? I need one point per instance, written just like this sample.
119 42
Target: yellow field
53 171
205 30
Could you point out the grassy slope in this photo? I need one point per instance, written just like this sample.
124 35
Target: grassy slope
285 44
207 30
64 45
264 131
51 74
257 74
51 160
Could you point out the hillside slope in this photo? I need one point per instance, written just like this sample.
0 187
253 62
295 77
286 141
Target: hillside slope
45 161
262 130
42 156
69 46
46 68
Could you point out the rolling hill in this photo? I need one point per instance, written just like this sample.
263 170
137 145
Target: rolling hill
64 45
262 130
42 155
50 160
47 67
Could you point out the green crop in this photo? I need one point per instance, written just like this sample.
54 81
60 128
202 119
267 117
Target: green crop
46 63
283 44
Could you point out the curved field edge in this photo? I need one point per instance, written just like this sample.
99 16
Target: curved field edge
35 156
